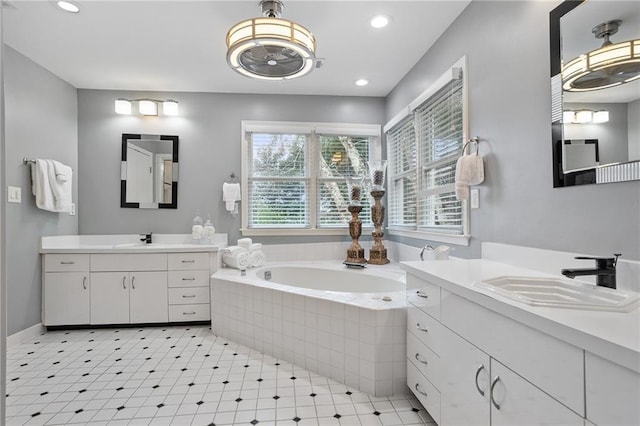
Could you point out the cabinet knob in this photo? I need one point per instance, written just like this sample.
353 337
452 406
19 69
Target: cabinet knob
189 313
420 294
84 282
188 279
480 391
493 385
133 282
417 387
67 262
420 360
188 261
426 330
188 296
124 282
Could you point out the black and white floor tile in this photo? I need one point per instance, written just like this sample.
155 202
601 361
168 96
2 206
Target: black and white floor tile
179 376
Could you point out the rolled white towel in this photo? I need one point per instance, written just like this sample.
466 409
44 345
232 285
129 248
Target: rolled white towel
255 247
234 250
245 243
239 260
256 258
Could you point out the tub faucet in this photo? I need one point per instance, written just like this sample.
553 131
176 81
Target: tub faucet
146 238
427 247
605 270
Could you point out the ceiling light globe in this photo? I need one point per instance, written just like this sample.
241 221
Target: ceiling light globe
148 107
170 108
379 21
123 106
68 6
362 82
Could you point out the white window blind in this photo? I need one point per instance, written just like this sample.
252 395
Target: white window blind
423 150
298 180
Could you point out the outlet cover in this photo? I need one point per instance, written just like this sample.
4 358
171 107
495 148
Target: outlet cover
14 194
475 198
73 209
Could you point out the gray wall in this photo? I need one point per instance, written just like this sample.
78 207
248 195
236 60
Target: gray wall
41 122
633 120
507 49
612 136
209 130
3 244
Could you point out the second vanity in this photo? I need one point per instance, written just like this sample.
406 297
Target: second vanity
116 279
476 358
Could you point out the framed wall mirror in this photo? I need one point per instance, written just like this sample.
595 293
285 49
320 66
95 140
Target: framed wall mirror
595 88
149 171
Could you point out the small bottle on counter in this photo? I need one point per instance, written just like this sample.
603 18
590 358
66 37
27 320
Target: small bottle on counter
197 229
209 229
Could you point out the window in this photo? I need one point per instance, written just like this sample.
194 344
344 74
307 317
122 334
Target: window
423 145
294 174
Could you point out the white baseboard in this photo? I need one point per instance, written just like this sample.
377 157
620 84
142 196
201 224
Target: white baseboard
24 335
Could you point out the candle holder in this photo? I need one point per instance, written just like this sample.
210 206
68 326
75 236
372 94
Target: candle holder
355 252
377 253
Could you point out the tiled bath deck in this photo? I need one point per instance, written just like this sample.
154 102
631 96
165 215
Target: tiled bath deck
179 376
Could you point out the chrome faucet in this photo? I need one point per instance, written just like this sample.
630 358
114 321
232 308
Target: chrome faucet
428 246
146 238
605 270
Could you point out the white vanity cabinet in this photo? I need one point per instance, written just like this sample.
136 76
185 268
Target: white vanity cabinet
490 369
66 289
189 287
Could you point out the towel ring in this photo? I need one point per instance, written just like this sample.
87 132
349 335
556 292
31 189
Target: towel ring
475 140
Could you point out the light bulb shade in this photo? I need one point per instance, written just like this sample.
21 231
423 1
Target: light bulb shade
123 106
377 171
583 117
601 116
170 107
608 66
148 107
271 49
568 117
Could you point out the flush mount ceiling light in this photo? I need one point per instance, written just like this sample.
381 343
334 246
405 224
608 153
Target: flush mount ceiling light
362 82
147 106
379 21
68 6
610 65
271 48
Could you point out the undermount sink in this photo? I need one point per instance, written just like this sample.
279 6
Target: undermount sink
560 293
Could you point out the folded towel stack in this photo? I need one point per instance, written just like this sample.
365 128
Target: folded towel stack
236 257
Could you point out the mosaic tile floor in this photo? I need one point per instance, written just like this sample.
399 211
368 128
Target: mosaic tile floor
179 376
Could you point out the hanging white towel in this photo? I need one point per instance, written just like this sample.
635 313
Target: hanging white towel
61 189
40 186
469 171
230 194
63 172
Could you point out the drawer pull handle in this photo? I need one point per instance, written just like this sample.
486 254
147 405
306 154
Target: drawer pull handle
426 330
417 386
419 294
480 391
124 282
188 261
84 282
67 263
133 282
420 360
188 296
493 385
189 313
188 279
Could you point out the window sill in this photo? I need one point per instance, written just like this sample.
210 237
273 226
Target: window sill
272 232
461 240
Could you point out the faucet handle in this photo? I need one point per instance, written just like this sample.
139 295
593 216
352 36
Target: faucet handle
600 260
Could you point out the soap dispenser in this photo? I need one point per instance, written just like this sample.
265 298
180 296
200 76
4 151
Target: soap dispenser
197 229
209 229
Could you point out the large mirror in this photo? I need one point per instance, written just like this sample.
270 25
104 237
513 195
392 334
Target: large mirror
595 115
149 171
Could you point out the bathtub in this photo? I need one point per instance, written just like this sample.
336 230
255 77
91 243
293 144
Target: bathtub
349 325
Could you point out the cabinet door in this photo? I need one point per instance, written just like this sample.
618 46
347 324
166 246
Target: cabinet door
148 300
110 298
465 382
66 298
516 401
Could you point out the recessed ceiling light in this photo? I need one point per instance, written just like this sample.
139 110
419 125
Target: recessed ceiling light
379 21
68 6
362 82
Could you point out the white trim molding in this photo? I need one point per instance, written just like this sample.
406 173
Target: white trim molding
25 335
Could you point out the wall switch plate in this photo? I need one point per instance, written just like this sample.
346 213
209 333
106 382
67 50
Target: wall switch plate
14 194
73 209
475 198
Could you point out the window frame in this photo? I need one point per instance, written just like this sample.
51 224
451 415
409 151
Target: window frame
408 113
313 129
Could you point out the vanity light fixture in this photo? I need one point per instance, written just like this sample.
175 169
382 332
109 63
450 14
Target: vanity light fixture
68 6
380 21
601 116
610 65
585 116
271 48
147 106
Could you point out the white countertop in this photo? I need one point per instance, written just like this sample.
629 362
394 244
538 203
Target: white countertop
129 243
612 335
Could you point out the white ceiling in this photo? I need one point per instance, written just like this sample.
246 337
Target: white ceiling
180 45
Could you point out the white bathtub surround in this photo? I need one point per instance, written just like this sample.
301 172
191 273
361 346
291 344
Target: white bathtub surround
312 252
357 339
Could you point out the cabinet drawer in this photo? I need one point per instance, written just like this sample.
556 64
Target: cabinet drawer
425 328
182 261
66 262
427 394
200 312
188 295
424 295
189 278
613 392
128 262
553 365
424 359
